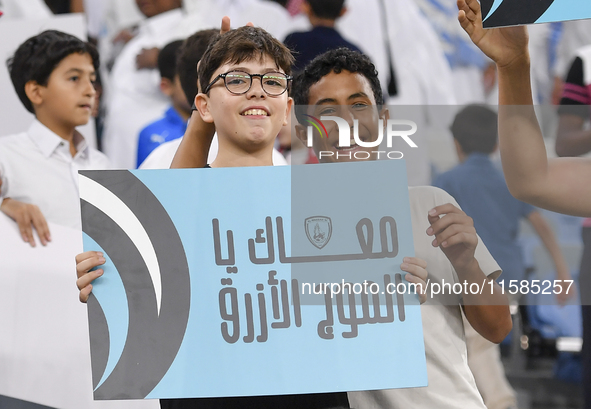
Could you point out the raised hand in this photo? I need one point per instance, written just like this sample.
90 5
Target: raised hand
503 45
225 27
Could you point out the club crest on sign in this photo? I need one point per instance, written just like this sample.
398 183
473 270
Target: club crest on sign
318 230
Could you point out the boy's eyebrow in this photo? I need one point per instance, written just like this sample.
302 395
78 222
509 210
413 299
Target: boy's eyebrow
358 95
263 71
326 101
78 70
333 101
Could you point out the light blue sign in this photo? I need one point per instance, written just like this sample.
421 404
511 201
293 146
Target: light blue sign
499 13
252 281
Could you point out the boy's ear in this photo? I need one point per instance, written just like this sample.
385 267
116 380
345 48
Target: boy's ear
384 114
202 105
166 86
343 11
288 111
34 92
301 133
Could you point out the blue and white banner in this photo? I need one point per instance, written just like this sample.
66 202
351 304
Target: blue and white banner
251 281
499 13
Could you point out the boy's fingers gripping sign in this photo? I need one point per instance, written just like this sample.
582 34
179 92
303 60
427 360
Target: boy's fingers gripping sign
85 263
504 45
468 16
454 233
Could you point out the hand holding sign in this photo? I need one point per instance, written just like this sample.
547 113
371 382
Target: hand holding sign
85 262
487 312
417 273
504 46
454 233
255 280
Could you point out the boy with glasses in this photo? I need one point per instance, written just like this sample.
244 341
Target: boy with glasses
245 75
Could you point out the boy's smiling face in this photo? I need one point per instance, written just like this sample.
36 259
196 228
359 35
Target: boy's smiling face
349 96
247 122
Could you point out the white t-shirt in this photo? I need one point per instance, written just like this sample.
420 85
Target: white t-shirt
36 167
162 156
451 384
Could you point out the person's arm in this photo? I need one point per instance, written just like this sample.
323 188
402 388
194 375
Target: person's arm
487 311
546 234
531 177
571 138
194 147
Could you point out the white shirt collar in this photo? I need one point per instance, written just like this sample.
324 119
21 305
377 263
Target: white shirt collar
49 142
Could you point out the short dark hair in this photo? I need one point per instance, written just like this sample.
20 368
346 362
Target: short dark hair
475 128
242 44
167 59
37 57
189 55
329 9
333 61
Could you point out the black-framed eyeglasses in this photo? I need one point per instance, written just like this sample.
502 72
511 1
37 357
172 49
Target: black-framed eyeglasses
239 82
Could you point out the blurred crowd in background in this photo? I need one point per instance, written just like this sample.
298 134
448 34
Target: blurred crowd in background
423 58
